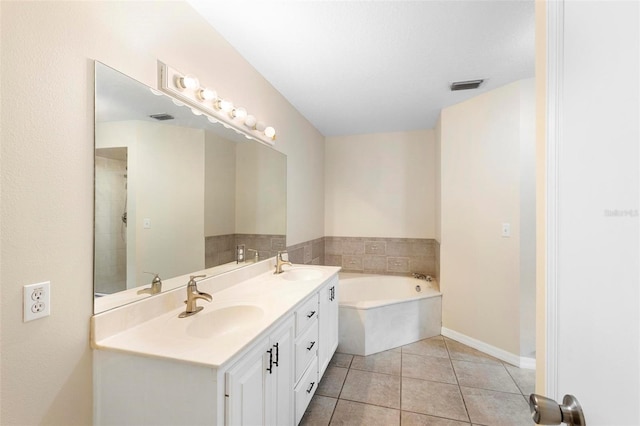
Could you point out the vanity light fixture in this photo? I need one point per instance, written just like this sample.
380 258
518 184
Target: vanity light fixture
187 82
207 94
186 89
224 105
270 132
239 114
250 121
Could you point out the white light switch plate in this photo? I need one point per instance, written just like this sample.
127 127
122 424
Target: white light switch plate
36 301
506 230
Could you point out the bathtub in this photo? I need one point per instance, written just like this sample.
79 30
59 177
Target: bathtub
381 312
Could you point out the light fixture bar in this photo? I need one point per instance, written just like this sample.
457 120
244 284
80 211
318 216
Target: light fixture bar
187 89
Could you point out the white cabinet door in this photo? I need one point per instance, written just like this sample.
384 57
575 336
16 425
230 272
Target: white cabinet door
246 388
260 385
279 408
328 324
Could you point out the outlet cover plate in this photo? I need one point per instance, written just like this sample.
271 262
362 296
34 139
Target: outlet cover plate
36 300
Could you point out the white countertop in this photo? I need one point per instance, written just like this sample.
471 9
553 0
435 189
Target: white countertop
269 298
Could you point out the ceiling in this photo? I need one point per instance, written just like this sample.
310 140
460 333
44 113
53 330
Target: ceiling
357 67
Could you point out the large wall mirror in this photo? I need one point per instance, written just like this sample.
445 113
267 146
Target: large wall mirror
175 194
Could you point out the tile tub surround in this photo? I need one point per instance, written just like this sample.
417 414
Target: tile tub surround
221 249
386 256
308 253
435 381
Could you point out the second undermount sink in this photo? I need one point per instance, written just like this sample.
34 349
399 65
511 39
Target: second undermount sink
301 274
221 321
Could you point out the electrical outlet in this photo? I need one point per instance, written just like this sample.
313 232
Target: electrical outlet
37 301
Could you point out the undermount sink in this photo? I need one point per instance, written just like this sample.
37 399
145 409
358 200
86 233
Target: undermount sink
301 274
221 321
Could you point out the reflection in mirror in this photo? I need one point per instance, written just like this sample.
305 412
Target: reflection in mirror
175 194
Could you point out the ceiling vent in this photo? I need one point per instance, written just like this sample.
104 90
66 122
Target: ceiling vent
162 117
466 85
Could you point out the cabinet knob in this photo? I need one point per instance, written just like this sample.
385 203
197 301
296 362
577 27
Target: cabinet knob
311 385
310 314
311 346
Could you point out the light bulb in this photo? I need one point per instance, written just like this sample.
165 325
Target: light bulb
207 94
250 121
226 106
239 114
188 82
260 126
196 112
270 132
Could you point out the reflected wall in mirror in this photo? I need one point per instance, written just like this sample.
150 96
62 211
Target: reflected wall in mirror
176 194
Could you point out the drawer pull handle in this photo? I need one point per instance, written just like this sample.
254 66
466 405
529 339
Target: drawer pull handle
310 314
311 385
311 346
277 354
270 368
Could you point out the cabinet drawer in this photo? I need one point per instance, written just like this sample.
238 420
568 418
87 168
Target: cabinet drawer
306 349
305 389
306 314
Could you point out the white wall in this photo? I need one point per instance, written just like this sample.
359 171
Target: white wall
169 175
486 177
260 200
220 186
381 185
46 220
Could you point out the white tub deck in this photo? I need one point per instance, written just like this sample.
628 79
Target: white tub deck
382 312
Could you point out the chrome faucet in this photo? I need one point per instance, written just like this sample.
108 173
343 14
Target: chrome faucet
156 285
422 277
280 262
192 295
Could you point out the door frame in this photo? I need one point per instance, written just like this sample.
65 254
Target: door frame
553 136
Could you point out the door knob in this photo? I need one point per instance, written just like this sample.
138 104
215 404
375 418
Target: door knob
546 411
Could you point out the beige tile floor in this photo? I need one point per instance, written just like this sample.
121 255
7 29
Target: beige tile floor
437 382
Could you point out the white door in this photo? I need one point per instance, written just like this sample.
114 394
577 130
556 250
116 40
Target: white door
593 257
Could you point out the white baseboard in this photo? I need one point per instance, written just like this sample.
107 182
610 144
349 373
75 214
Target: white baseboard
501 354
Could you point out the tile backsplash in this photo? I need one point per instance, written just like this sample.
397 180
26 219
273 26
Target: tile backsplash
309 253
221 249
387 256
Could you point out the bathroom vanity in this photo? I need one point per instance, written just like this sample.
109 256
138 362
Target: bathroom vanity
254 355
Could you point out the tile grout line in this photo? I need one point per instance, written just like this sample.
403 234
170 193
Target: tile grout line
514 380
457 381
335 407
350 367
